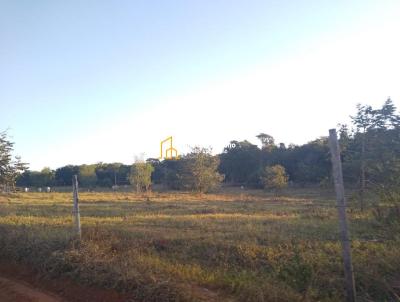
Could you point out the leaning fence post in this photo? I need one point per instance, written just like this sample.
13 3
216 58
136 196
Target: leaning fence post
75 211
341 205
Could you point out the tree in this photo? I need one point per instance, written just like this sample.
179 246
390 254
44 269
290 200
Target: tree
48 176
203 170
267 141
10 168
173 173
350 155
305 164
378 141
24 179
63 176
112 174
241 164
386 117
87 176
140 176
274 177
158 175
363 121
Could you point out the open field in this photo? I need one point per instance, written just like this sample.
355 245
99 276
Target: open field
217 247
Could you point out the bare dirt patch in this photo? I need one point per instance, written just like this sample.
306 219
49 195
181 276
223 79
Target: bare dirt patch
21 284
13 291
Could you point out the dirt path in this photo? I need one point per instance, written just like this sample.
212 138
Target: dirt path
19 283
18 291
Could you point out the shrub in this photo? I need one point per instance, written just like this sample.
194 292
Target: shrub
274 177
141 176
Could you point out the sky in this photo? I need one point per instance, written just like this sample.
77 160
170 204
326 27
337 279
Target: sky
90 81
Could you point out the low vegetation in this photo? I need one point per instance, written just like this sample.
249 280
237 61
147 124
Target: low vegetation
253 246
140 176
274 178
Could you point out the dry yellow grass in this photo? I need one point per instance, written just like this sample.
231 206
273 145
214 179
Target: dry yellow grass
234 246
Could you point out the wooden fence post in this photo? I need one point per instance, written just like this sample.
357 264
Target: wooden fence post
341 205
75 211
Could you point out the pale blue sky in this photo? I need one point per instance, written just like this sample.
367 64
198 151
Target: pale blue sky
87 81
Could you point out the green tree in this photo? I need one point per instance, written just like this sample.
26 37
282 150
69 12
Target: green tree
350 155
10 167
172 172
87 176
203 170
274 177
240 163
24 179
48 176
158 175
63 175
112 174
43 178
377 144
305 164
36 179
267 141
363 121
140 176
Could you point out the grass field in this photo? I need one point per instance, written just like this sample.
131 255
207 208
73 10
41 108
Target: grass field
218 247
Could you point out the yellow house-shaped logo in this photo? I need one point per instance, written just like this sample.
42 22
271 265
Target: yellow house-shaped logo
170 152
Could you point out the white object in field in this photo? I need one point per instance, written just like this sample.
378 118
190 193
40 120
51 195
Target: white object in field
48 189
241 187
39 189
115 187
26 189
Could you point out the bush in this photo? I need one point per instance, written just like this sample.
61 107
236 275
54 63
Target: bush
388 211
274 177
203 168
141 176
196 171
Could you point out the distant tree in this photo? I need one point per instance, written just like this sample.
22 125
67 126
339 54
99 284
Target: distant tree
312 162
386 118
174 172
114 171
267 141
123 174
10 167
63 175
363 121
140 176
87 176
37 179
241 163
112 174
377 144
203 170
48 176
24 179
158 175
305 164
350 155
274 177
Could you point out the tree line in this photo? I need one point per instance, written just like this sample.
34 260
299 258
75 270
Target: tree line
370 154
